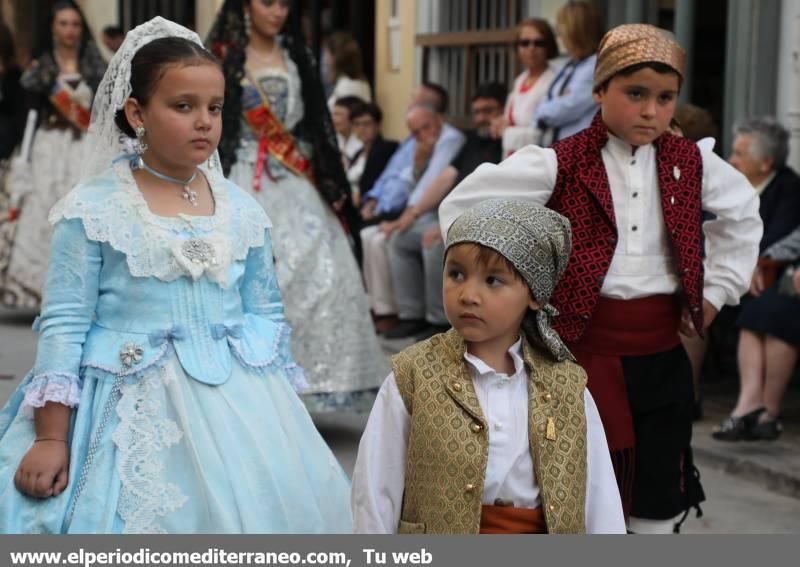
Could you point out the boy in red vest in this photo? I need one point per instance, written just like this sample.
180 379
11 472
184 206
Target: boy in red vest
633 194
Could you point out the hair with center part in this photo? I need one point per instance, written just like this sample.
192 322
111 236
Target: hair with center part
150 64
768 139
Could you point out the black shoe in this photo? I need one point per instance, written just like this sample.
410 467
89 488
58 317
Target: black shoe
768 430
738 428
431 330
406 328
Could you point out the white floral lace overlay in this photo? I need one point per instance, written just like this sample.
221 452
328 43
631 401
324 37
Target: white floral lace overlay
61 387
142 434
154 246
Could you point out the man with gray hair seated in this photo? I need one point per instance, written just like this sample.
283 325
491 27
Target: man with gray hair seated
769 321
429 150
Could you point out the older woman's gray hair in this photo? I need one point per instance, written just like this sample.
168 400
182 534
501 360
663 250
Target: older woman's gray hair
768 139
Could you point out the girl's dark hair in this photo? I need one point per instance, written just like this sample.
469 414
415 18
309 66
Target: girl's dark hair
660 68
7 51
151 62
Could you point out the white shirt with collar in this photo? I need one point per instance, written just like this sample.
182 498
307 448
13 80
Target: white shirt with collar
643 264
379 475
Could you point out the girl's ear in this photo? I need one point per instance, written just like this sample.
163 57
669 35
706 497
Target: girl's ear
533 304
133 112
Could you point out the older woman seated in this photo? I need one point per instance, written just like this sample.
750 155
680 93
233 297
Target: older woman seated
769 320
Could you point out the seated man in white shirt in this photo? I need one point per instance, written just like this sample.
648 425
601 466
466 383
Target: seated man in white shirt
489 428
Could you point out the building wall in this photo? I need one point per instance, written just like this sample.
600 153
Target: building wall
99 14
393 88
789 77
205 13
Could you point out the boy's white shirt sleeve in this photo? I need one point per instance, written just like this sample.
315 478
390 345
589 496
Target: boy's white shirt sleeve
732 239
603 503
380 472
529 174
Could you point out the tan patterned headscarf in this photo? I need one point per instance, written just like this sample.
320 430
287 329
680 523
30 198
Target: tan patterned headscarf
537 241
631 44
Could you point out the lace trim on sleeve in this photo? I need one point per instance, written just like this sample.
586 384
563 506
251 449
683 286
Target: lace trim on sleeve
61 387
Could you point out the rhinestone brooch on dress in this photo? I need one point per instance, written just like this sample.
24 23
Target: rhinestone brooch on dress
131 354
199 251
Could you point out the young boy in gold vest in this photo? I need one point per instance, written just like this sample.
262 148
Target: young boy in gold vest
634 195
489 428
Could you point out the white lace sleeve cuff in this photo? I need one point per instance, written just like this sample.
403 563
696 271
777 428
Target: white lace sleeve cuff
60 387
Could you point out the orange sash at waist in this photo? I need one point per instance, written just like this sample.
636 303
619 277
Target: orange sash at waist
510 520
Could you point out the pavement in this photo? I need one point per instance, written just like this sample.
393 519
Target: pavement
751 487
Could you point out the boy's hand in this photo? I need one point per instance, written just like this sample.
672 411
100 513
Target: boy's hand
757 283
686 327
44 470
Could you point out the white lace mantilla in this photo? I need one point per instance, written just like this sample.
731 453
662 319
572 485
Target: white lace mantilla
157 246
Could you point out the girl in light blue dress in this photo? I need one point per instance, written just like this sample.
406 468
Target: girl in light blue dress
162 397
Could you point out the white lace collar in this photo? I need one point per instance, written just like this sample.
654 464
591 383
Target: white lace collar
158 246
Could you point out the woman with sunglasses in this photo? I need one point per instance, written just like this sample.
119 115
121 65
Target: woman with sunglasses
536 45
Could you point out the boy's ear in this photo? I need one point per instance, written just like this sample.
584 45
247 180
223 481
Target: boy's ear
133 112
597 95
533 304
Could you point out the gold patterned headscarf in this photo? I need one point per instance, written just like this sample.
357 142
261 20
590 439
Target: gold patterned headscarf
537 241
631 44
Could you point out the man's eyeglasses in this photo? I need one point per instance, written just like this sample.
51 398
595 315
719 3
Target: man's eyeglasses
531 42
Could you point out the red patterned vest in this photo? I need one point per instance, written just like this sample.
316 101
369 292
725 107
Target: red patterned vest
582 194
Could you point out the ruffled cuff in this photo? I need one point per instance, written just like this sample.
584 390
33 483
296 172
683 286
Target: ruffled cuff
61 387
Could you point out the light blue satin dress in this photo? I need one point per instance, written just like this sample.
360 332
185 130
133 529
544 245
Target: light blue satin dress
167 336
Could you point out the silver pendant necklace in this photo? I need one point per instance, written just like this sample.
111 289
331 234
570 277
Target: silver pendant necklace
189 194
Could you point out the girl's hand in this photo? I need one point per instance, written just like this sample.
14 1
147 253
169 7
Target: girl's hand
757 283
44 470
686 326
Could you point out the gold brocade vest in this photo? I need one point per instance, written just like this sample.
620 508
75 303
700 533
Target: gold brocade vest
448 447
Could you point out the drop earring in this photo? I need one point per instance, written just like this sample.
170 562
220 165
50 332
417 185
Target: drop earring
141 145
